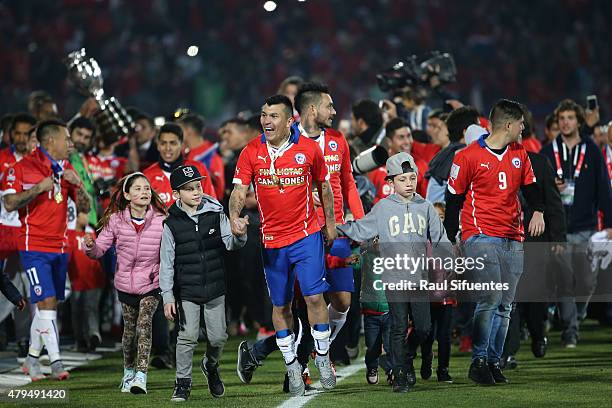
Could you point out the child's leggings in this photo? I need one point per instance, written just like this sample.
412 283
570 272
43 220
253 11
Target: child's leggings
136 342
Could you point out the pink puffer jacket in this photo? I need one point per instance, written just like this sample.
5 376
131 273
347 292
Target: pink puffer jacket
137 270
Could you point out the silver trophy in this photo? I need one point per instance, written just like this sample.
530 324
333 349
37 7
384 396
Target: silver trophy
112 120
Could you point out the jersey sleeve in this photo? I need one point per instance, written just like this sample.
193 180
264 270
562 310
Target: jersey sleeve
319 169
528 177
218 172
349 188
207 185
243 174
460 174
12 182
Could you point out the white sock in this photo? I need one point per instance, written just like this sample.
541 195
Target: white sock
321 340
336 321
35 339
48 331
287 347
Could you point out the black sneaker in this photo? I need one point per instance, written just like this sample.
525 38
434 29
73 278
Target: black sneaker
508 362
247 364
400 382
182 389
443 375
497 374
410 374
215 385
426 370
538 347
390 378
94 343
479 372
570 342
161 362
372 376
22 349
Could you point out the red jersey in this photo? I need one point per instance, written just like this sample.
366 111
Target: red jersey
8 157
207 155
43 220
285 201
338 161
160 181
384 189
491 182
85 273
424 151
532 144
106 167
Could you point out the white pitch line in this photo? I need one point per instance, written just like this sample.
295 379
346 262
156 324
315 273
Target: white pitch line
299 402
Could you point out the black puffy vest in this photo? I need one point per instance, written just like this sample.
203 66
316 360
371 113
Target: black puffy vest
199 275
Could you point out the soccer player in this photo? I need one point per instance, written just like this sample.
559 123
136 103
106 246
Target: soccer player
38 186
283 165
170 145
489 173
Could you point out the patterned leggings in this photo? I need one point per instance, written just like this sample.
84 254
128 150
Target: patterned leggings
137 321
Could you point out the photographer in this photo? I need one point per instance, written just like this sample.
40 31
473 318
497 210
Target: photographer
367 125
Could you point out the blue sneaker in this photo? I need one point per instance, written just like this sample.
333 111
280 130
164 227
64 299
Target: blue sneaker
139 383
128 376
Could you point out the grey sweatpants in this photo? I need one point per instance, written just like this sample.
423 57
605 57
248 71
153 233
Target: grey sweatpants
187 340
86 313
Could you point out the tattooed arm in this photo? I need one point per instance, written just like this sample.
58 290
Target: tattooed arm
236 204
82 200
16 201
327 199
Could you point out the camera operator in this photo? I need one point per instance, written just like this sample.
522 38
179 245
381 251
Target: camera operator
367 126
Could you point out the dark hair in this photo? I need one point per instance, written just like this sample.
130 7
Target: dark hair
528 125
292 80
84 123
6 121
22 117
118 202
194 121
369 111
459 120
569 105
37 99
235 121
137 114
503 111
393 125
171 127
47 128
550 120
440 204
438 114
281 100
254 122
309 93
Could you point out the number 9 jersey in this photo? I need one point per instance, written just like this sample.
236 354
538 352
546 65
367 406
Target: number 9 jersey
490 181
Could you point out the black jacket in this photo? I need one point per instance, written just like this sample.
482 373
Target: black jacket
592 188
554 213
8 289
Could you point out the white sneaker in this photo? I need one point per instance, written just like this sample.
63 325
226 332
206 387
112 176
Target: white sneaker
139 383
126 381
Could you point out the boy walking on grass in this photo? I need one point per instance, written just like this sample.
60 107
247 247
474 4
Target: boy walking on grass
192 277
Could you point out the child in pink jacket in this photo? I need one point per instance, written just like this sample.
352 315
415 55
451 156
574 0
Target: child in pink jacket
133 223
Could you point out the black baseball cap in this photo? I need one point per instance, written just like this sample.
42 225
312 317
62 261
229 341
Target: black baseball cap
183 175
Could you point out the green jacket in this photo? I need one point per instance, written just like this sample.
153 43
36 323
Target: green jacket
81 170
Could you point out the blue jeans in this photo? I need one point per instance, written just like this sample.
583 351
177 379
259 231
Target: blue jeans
377 331
503 262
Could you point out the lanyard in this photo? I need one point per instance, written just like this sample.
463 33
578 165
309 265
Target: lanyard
274 154
579 159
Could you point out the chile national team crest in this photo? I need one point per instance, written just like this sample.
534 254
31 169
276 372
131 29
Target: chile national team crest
333 145
300 158
516 162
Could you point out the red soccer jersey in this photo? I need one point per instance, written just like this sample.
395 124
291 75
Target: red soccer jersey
160 181
384 189
532 144
285 205
491 183
106 167
206 154
424 151
43 220
338 161
85 273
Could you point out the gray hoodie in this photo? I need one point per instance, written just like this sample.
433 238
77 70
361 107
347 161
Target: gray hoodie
402 228
166 254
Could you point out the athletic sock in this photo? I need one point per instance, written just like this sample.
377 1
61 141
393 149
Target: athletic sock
48 332
336 321
36 344
320 334
285 342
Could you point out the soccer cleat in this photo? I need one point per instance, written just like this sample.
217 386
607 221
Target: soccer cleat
215 384
182 389
139 384
295 381
247 364
31 367
479 372
497 374
538 347
400 382
126 381
264 333
443 375
372 376
426 370
58 372
327 374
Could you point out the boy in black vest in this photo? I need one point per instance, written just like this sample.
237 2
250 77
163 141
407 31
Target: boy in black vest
191 277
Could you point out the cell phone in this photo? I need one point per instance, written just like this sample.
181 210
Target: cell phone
592 102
